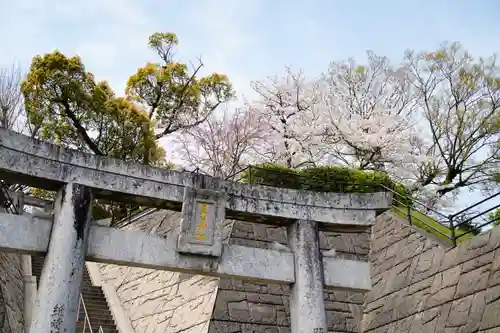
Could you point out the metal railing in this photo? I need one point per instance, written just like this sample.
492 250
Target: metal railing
463 217
87 326
86 319
450 227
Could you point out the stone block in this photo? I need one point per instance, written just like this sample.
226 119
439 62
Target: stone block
239 311
223 327
203 215
428 319
490 318
476 312
420 286
282 318
11 293
264 298
428 264
445 279
494 241
337 321
221 311
262 313
483 260
337 306
473 281
276 234
444 312
253 328
231 295
409 305
451 258
442 296
459 314
225 284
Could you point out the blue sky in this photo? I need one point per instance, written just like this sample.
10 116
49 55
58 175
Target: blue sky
246 39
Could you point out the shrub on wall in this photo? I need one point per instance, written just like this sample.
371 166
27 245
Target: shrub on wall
326 179
495 217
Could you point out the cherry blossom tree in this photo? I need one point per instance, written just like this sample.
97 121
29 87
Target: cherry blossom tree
289 105
369 115
460 113
224 144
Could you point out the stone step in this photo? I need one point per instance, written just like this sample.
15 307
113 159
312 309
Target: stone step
106 329
98 318
99 312
98 309
93 296
95 327
90 301
97 321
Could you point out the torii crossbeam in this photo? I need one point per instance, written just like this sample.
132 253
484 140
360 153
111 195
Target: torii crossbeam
69 238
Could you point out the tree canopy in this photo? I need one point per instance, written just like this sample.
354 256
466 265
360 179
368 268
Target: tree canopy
431 120
69 107
65 105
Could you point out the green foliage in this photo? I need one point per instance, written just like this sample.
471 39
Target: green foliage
70 109
172 95
66 105
467 227
495 216
326 179
270 174
458 94
349 180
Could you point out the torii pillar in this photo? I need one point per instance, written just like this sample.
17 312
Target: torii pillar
56 308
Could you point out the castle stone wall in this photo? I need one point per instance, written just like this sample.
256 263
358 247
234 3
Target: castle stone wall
161 301
11 294
248 307
422 286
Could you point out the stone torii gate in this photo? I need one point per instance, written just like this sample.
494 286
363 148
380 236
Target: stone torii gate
69 238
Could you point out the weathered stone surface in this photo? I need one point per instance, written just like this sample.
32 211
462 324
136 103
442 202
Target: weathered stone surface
473 281
241 306
158 301
108 178
419 285
430 287
162 301
11 294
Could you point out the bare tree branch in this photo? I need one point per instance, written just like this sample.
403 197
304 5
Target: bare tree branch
11 101
223 145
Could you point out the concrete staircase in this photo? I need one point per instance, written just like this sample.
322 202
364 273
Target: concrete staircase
95 302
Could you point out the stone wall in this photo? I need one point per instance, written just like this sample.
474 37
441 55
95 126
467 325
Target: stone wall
162 301
11 294
248 307
422 286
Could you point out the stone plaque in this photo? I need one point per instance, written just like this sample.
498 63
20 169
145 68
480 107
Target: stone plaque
203 213
203 228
